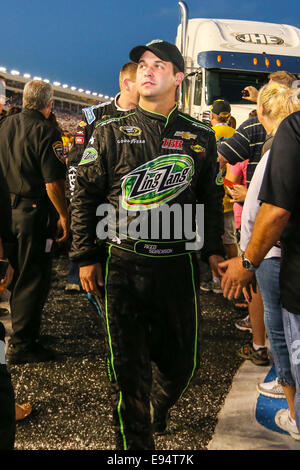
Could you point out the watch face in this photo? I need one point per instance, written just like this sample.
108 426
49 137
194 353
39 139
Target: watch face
246 264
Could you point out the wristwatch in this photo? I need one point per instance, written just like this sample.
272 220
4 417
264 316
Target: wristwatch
247 264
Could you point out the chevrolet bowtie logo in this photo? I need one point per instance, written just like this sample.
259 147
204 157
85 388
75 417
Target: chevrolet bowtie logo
185 135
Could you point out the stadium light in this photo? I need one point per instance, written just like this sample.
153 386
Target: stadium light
2 69
15 72
26 75
80 90
56 83
106 97
37 78
73 88
88 92
46 80
95 94
65 85
100 94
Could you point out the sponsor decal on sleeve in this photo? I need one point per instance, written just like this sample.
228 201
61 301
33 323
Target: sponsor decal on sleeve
89 112
58 150
82 124
79 140
89 155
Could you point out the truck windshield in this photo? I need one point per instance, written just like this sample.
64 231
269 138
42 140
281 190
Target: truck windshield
229 85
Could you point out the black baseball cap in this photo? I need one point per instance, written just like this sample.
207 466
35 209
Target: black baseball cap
221 107
162 49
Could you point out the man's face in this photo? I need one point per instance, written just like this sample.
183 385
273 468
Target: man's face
134 94
155 78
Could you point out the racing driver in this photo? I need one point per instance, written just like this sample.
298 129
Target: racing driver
152 158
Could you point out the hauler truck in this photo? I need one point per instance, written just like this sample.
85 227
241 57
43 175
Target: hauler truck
224 56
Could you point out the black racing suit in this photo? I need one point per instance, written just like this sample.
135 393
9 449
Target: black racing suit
150 295
90 117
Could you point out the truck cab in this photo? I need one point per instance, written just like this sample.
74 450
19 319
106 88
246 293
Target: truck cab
222 57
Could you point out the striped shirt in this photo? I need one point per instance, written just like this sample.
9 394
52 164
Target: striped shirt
246 143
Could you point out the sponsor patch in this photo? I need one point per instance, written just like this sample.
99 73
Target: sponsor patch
197 148
89 155
172 144
80 132
130 130
89 112
82 124
156 182
58 150
79 140
185 135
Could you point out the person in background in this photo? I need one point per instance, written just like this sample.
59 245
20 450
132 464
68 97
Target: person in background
278 218
36 187
275 103
125 100
219 116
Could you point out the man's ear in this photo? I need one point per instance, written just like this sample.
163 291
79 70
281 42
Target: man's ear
179 78
126 84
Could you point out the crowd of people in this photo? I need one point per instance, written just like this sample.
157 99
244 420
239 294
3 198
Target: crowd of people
56 173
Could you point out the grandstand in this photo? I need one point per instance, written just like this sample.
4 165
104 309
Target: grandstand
68 101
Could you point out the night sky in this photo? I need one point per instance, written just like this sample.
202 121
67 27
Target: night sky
84 43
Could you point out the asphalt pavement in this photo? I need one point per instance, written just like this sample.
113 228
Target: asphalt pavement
70 397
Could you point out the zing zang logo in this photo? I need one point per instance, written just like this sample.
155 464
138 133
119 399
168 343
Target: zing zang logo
156 182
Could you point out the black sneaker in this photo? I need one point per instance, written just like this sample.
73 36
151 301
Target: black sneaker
36 353
259 357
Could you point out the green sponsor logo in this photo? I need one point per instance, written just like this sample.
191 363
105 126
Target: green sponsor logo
156 182
89 155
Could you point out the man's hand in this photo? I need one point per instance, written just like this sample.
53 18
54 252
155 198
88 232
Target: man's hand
62 229
214 261
91 278
253 93
235 279
238 193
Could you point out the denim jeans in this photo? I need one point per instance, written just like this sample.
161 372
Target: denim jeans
291 323
267 276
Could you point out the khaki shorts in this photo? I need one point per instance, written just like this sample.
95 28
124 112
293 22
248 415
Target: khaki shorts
229 237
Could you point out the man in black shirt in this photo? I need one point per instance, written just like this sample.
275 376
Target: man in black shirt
278 218
31 158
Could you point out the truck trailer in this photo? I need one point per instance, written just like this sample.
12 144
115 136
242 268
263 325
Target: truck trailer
222 57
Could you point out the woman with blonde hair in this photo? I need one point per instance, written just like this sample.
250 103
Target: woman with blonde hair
275 102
